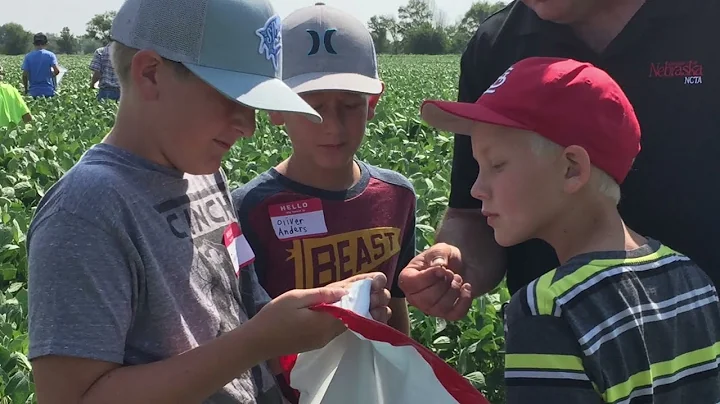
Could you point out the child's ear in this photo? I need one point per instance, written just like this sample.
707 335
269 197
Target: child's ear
276 118
577 168
374 99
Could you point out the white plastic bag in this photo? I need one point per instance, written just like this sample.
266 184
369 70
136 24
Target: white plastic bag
60 76
374 363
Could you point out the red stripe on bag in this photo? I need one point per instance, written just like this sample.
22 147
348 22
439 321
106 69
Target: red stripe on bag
453 382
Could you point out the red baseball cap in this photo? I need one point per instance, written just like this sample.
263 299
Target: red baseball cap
563 100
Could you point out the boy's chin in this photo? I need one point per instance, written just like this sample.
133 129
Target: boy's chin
207 167
334 163
508 240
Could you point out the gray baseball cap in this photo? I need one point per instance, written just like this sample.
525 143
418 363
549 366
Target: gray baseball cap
325 48
233 45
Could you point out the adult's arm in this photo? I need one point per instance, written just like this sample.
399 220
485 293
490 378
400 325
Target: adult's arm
55 67
466 261
25 79
96 67
483 260
463 224
96 76
25 68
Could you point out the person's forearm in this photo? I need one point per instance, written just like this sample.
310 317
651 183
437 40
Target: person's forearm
483 259
25 82
399 320
95 79
190 377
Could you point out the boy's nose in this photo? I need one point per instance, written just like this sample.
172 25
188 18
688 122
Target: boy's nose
332 123
480 190
243 120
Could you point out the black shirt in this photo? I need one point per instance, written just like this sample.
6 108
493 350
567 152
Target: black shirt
660 60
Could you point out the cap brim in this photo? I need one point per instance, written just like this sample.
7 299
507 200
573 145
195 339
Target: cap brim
460 117
255 91
357 83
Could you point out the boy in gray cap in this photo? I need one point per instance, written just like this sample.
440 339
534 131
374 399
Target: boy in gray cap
142 288
322 215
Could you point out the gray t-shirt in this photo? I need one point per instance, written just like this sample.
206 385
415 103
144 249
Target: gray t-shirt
127 265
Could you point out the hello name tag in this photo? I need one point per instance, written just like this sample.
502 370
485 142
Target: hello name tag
298 219
238 247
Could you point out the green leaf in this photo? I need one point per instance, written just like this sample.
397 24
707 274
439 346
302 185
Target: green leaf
14 287
473 347
424 227
504 295
18 387
486 331
7 272
22 298
477 379
4 355
442 341
8 192
440 325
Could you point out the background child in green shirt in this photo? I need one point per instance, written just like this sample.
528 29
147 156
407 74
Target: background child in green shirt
12 106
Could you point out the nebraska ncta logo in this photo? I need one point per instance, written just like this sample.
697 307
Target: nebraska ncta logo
691 71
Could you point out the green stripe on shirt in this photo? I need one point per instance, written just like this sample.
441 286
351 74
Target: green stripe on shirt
686 361
543 362
568 282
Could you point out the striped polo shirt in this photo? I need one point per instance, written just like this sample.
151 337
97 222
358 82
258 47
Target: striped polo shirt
615 327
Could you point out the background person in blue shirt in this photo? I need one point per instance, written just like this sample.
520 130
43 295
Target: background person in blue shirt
39 69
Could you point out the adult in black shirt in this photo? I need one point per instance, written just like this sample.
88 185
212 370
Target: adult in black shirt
658 51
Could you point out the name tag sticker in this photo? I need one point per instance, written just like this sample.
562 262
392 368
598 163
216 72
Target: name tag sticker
298 219
238 247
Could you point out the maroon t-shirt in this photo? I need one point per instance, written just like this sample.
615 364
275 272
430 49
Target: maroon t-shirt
304 237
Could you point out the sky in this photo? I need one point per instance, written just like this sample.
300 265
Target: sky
75 13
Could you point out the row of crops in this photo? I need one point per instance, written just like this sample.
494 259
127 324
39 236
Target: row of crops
35 156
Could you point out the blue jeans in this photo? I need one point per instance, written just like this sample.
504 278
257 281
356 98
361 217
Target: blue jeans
108 93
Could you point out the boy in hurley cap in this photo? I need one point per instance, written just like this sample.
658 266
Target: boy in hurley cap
141 282
321 215
624 318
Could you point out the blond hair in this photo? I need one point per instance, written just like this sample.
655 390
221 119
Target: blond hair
599 179
121 57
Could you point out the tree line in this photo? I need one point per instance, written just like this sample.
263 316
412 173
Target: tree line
16 40
419 28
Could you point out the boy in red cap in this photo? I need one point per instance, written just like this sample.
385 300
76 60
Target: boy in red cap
624 317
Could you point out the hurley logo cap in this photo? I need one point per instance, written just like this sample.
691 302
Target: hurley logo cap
563 100
328 49
233 45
